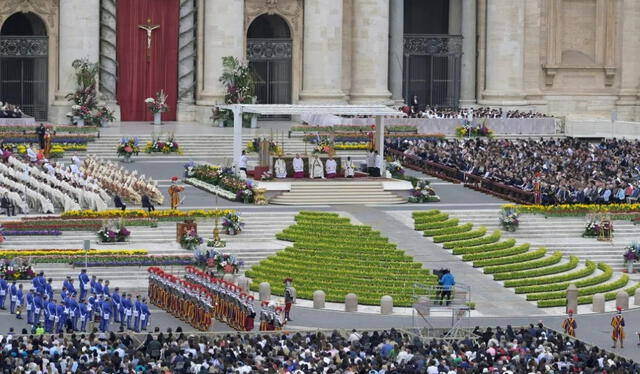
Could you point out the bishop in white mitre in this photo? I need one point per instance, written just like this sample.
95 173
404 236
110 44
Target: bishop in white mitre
331 167
280 168
298 167
316 170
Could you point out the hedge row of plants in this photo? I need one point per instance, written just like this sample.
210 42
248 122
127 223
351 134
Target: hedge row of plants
519 266
460 236
521 284
333 255
524 275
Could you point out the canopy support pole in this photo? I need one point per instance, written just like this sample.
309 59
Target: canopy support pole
237 137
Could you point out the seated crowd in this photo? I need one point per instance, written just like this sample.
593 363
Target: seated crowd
564 171
36 184
416 111
9 111
529 350
43 186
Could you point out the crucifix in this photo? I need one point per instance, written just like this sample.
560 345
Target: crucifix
149 27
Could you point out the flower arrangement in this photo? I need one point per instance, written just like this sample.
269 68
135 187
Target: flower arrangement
104 114
128 147
16 270
157 104
232 224
239 81
468 129
222 262
423 193
191 240
253 146
167 146
632 253
223 178
396 169
509 219
594 228
112 235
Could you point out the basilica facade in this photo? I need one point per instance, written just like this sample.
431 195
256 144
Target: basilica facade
564 57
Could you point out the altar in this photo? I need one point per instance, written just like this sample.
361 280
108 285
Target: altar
288 160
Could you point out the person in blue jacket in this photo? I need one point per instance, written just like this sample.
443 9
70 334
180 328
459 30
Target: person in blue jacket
38 307
39 282
116 304
136 314
84 284
74 312
61 312
84 315
19 302
30 305
105 288
145 314
68 284
127 307
13 294
50 314
447 283
105 314
4 290
48 288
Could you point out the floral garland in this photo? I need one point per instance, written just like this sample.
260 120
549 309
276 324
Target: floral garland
210 188
158 146
468 129
217 176
166 214
575 209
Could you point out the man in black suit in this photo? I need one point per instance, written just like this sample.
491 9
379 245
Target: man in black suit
41 131
146 203
117 201
8 205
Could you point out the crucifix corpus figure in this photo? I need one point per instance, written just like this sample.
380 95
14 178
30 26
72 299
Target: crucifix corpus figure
149 27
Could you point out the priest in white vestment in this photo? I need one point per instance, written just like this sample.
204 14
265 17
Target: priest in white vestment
316 170
280 168
331 167
298 167
349 169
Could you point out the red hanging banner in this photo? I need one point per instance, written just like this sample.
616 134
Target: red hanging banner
147 54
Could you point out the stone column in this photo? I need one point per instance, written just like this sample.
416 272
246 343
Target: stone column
222 35
187 61
468 68
505 53
370 52
75 15
396 49
322 60
455 17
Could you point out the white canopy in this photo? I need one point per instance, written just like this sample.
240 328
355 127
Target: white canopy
377 111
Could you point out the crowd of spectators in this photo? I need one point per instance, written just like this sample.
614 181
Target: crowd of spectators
529 350
417 111
562 170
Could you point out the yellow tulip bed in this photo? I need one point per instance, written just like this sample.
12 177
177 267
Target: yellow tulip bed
538 274
333 255
160 215
68 255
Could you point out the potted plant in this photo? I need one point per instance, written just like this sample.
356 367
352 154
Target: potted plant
509 219
104 116
240 83
631 256
127 148
157 105
191 240
84 99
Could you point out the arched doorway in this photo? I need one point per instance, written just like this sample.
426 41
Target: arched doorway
432 56
269 51
24 50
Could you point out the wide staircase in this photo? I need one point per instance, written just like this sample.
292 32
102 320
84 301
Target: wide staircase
559 234
255 243
336 192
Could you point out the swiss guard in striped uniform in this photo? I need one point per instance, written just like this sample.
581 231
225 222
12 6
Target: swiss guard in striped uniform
569 324
617 324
